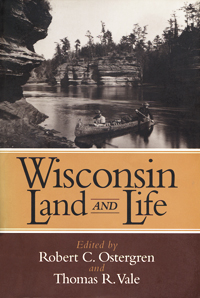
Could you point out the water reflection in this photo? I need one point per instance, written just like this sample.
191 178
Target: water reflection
105 140
175 127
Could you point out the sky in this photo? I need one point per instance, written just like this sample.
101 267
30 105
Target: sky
73 18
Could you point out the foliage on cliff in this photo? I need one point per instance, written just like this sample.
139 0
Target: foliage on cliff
169 59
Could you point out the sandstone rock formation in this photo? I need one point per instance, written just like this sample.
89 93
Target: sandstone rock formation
23 22
119 71
18 127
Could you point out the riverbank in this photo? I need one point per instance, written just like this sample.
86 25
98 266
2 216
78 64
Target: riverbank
19 128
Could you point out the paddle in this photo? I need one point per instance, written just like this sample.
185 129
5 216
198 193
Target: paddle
111 145
152 121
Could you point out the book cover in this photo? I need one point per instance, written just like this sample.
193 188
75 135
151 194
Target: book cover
99 158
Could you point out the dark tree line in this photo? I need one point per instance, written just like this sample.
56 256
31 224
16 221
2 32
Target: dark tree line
169 60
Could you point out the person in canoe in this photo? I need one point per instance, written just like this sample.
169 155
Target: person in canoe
144 113
99 118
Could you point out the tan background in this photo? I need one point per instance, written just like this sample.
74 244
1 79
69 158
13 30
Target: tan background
183 204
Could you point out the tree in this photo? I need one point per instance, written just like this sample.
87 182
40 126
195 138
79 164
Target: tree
103 39
132 40
140 46
61 52
157 42
90 43
65 47
171 33
190 12
176 30
139 35
106 39
90 38
149 46
57 59
127 42
197 15
168 34
124 43
77 46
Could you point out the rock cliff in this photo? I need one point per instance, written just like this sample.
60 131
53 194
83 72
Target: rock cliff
118 71
22 23
19 128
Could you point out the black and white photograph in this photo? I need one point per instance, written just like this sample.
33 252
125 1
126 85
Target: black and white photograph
100 74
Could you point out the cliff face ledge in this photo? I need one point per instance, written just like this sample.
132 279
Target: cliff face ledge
21 109
22 23
121 71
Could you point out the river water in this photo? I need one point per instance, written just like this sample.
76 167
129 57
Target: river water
175 126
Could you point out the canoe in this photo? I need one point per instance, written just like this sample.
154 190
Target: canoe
109 128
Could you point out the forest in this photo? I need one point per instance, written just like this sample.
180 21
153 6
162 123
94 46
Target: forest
168 60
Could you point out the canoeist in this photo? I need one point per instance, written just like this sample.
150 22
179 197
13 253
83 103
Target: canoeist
144 112
99 118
